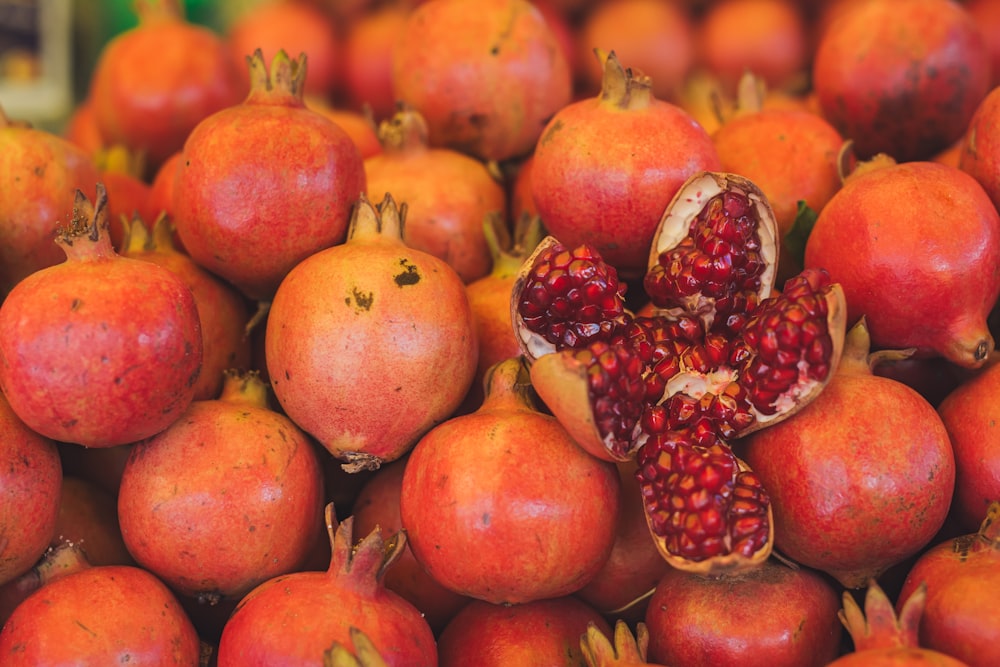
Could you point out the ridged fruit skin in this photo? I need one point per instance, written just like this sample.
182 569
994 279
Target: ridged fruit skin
544 632
860 479
231 494
962 615
901 77
487 81
40 172
264 184
770 616
370 343
916 247
971 413
103 615
31 479
502 505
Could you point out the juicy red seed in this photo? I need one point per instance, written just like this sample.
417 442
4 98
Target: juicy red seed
614 375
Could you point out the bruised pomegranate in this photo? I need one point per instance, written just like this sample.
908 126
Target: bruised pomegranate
31 477
492 515
486 78
860 479
41 172
931 231
102 615
962 615
264 184
901 77
370 343
717 358
100 350
884 639
543 632
229 496
294 618
606 167
770 616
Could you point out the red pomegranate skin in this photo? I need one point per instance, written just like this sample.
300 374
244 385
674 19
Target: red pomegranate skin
493 515
979 147
31 479
228 496
901 77
770 616
88 518
929 232
860 479
105 615
40 172
544 632
264 184
971 414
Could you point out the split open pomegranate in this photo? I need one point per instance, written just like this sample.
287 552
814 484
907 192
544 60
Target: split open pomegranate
719 357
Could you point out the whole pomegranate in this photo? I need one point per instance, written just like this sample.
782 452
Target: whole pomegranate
929 231
884 639
979 148
606 167
493 515
264 184
294 618
543 632
901 77
101 615
31 479
228 496
100 350
370 343
961 616
970 414
769 616
41 172
369 40
848 499
154 82
486 78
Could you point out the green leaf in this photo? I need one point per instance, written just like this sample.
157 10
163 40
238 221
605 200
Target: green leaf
796 237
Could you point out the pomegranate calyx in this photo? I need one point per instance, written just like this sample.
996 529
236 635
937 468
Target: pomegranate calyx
383 221
244 387
405 131
149 11
87 236
858 357
365 654
283 84
509 253
364 563
627 649
507 384
878 626
622 87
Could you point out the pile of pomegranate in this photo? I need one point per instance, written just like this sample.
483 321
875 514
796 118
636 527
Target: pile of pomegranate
515 332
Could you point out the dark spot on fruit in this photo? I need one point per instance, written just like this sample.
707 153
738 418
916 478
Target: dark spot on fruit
398 389
75 305
495 51
69 423
409 276
287 376
486 518
555 127
363 301
40 170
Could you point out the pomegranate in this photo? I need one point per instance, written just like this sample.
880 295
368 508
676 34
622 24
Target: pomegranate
99 326
766 37
539 521
364 653
486 80
883 639
295 26
970 414
101 465
129 196
628 650
88 518
979 148
81 128
655 38
294 618
227 497
359 125
154 82
32 480
901 77
370 343
102 615
248 209
706 366
931 231
41 172
60 559
447 193
367 68
987 17
376 505
850 510
961 616
606 167
222 310
543 632
769 616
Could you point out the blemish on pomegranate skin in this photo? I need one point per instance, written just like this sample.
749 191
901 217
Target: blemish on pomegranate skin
556 126
409 276
362 301
75 305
